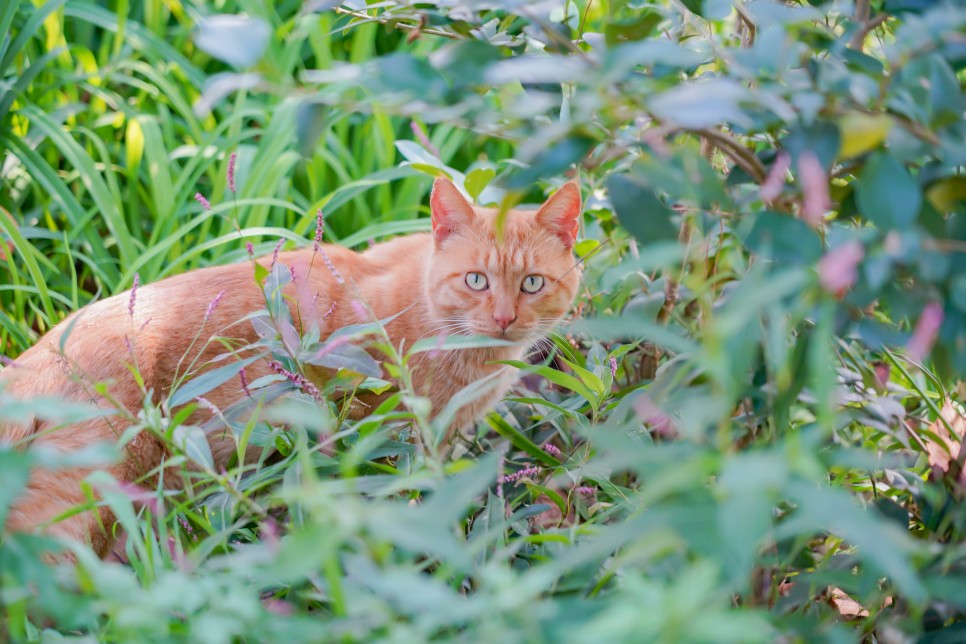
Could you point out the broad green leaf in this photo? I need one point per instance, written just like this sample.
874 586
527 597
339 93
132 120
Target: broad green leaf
209 380
887 194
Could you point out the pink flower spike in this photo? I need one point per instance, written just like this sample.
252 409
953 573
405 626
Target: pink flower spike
231 171
421 136
250 249
244 382
925 333
329 312
291 273
329 265
134 294
526 472
838 268
200 198
613 367
585 490
319 230
815 195
771 189
213 304
278 247
553 450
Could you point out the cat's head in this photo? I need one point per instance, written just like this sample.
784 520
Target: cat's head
515 288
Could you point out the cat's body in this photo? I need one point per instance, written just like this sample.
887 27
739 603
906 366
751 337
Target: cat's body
431 278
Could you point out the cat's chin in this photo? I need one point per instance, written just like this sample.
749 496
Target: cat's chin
521 336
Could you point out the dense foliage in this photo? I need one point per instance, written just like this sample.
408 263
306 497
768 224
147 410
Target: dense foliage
737 437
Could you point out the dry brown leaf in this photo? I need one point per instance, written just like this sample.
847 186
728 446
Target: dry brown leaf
845 605
943 454
552 517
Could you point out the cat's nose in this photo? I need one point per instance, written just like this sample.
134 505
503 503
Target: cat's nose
504 319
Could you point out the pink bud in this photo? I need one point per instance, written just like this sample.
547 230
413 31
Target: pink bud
838 268
771 189
815 195
925 333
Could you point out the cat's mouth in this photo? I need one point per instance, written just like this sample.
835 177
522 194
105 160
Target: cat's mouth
511 334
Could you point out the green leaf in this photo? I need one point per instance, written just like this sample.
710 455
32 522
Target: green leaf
477 180
887 194
239 40
193 442
14 473
208 380
639 210
521 442
557 377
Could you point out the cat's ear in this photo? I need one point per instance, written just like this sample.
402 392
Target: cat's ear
450 209
561 213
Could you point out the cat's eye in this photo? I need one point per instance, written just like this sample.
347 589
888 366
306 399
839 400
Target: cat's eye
532 283
476 281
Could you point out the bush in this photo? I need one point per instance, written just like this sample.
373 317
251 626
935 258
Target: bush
747 432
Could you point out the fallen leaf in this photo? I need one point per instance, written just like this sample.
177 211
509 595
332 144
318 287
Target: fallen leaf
845 605
943 454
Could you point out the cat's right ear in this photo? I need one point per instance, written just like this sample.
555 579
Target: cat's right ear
449 208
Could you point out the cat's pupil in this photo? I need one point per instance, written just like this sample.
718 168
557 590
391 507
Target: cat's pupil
476 281
532 283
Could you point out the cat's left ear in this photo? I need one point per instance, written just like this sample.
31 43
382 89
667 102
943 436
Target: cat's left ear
449 207
561 213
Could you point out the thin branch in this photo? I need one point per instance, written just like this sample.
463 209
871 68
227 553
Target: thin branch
394 22
738 153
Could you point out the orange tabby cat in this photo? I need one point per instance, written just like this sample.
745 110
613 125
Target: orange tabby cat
458 280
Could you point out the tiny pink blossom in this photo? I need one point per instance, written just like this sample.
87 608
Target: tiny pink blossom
925 333
134 294
613 367
250 249
231 171
526 472
585 490
815 195
771 189
188 530
328 313
291 273
200 198
838 268
553 450
213 304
